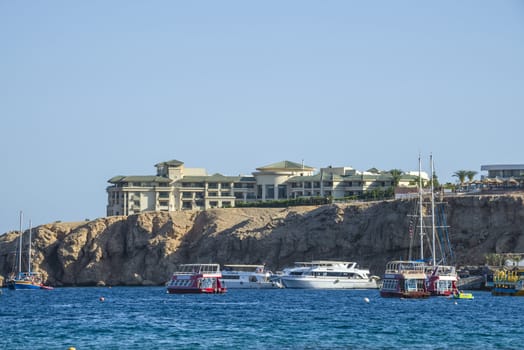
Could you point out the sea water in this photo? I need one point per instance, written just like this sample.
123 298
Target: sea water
148 318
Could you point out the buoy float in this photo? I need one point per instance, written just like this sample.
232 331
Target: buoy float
72 348
366 300
102 299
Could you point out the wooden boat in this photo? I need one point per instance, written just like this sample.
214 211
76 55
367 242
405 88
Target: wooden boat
404 279
196 278
25 279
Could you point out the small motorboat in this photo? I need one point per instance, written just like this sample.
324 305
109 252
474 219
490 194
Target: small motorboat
462 295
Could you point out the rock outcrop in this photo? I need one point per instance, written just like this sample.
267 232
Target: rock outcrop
144 249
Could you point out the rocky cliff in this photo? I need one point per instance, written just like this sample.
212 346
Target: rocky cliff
144 249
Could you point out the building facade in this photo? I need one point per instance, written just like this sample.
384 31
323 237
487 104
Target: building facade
503 171
175 187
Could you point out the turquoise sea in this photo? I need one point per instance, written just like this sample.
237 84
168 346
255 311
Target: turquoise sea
148 318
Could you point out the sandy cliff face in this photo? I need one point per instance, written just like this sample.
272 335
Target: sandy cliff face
143 249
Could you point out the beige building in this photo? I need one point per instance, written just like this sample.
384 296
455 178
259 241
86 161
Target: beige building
175 187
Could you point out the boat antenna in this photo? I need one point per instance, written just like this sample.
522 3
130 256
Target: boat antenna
29 252
433 212
421 218
20 246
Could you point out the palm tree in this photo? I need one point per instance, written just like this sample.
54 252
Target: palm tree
396 173
436 184
471 174
461 175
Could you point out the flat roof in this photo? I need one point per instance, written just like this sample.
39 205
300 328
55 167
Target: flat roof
502 167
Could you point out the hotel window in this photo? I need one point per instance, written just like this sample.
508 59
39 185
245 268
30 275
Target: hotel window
270 191
282 191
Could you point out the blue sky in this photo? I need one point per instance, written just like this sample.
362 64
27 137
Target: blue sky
94 89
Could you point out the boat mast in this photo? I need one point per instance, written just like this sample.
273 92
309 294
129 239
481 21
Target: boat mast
433 213
421 216
20 246
29 259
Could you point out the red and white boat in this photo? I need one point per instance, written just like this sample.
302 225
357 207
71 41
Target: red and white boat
442 280
196 278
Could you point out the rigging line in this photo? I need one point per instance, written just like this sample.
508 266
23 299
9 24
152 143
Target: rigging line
445 226
439 235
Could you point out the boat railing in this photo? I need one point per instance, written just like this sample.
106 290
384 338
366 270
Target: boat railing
442 270
505 276
405 267
245 268
190 269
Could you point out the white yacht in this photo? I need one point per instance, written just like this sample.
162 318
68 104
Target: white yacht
248 276
323 274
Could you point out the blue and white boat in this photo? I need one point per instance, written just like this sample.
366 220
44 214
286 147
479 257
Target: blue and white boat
25 279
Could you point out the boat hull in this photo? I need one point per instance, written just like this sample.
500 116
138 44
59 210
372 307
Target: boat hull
24 285
512 292
196 290
405 295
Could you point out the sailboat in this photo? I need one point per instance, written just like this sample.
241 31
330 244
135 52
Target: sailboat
26 279
420 278
407 278
442 278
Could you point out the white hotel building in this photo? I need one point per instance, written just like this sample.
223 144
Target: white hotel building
176 187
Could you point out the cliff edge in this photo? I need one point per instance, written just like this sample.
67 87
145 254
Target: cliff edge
143 249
